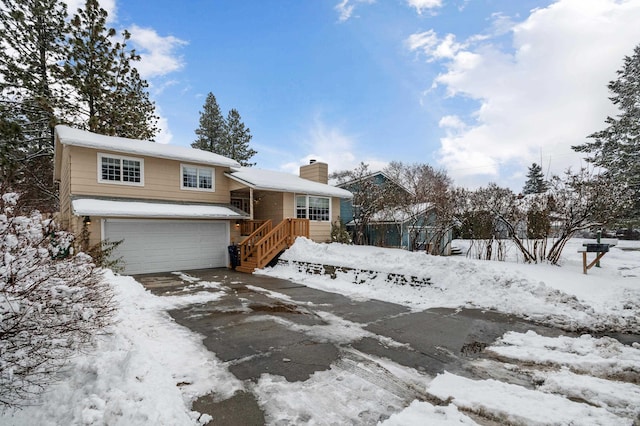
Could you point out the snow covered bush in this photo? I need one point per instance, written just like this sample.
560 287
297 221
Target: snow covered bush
51 302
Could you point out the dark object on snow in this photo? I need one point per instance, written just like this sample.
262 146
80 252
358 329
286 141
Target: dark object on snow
234 256
597 248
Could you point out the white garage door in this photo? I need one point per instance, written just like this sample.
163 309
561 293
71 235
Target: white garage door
168 245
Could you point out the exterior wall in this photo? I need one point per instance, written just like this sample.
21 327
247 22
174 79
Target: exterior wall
336 204
161 180
272 206
95 235
234 233
346 211
320 232
278 206
65 187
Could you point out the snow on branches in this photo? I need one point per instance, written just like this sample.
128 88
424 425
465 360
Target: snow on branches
52 302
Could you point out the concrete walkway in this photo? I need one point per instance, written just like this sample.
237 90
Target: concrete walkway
258 332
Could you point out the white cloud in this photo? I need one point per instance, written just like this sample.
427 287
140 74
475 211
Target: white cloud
451 122
332 146
422 5
164 135
108 5
158 53
346 7
537 97
433 47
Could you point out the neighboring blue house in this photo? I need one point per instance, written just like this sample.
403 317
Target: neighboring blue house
410 228
347 208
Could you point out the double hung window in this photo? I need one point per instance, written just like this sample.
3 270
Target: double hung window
197 178
122 170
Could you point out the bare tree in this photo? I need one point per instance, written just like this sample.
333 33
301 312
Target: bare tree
540 225
370 195
485 218
427 205
582 201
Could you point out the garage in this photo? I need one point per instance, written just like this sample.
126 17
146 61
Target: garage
168 245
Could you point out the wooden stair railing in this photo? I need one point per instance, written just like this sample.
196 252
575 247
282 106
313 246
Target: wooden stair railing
261 252
248 246
248 227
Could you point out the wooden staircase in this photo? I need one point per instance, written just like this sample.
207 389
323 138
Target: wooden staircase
265 242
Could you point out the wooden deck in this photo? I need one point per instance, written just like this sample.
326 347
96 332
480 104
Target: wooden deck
266 242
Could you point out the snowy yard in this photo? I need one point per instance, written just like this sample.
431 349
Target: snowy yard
148 369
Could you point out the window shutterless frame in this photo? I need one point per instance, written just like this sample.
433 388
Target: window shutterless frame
313 208
120 170
197 178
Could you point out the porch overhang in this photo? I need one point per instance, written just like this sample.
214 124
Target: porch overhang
153 210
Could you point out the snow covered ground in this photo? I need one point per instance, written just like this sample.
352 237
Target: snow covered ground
607 298
148 370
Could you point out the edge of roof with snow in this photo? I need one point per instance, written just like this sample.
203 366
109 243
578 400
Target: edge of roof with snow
269 180
76 137
141 209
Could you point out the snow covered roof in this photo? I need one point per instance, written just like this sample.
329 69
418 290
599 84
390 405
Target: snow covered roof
269 180
121 208
76 137
400 214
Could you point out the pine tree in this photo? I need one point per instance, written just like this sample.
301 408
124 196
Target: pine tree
33 36
113 96
617 147
238 138
535 183
212 131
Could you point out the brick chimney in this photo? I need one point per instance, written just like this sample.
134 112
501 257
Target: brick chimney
315 171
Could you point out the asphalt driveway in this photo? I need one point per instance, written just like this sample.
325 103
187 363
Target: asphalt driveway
268 325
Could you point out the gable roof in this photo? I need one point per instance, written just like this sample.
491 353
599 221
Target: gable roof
381 174
401 215
269 180
76 137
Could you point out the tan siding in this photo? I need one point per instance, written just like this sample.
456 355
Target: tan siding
234 233
289 206
234 186
65 188
161 180
335 209
317 172
270 206
320 232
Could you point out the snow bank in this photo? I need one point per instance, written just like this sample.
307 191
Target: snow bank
606 299
602 357
516 404
145 370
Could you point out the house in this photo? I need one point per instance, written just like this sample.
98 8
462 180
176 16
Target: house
178 208
404 226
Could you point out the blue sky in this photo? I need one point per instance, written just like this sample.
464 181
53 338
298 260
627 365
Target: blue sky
480 88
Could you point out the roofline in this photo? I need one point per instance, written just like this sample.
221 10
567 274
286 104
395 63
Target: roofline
370 175
242 181
230 175
75 141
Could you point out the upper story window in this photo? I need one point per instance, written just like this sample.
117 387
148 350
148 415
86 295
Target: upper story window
313 208
122 170
197 178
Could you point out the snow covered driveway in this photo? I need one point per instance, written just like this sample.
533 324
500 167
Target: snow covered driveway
306 356
226 348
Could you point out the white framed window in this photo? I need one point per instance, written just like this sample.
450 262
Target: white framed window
120 170
197 178
313 208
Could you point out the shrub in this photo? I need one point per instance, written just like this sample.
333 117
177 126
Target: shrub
52 302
